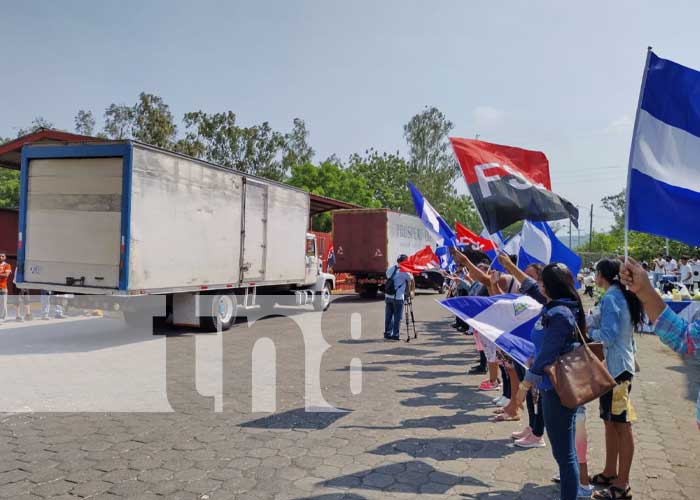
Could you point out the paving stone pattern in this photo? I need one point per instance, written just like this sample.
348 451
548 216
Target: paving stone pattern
419 429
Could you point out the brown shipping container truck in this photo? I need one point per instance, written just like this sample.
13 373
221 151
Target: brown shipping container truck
367 241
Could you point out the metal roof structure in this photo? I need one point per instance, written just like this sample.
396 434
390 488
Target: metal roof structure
11 152
320 204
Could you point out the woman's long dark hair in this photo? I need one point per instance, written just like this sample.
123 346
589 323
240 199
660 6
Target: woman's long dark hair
610 270
559 284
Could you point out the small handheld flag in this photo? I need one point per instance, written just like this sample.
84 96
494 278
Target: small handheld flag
466 237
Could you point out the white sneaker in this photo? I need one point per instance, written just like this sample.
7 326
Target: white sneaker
503 402
585 491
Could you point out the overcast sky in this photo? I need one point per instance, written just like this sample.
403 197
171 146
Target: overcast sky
558 77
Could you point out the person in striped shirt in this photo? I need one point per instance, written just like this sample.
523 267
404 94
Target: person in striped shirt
677 333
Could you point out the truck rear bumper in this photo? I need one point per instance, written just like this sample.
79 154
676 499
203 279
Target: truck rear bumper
82 290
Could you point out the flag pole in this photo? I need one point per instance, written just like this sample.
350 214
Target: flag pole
632 145
495 245
481 219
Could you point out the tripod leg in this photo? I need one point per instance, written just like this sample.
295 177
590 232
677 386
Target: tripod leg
408 329
413 320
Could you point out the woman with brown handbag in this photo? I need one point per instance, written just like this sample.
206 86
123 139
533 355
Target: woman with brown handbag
554 335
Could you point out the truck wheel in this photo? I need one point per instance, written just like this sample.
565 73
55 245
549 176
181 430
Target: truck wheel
224 309
322 300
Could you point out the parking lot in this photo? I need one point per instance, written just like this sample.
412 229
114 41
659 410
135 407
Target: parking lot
111 413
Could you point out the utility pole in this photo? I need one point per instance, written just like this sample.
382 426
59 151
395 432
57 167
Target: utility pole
578 236
667 252
590 234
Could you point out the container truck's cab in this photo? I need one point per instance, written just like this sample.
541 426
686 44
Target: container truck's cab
122 219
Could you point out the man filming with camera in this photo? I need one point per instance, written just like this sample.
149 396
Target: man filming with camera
397 285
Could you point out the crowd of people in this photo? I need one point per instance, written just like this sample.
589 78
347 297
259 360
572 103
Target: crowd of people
628 294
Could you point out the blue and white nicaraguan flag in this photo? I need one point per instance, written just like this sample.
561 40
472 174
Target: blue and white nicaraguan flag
664 169
436 225
507 320
539 245
446 261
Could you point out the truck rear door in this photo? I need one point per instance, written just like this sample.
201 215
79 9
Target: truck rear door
73 221
254 242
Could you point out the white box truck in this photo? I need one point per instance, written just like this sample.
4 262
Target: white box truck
125 219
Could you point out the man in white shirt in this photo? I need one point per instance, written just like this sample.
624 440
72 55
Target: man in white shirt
671 265
659 268
686 273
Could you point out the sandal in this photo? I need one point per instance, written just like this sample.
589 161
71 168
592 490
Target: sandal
614 493
498 411
505 417
602 480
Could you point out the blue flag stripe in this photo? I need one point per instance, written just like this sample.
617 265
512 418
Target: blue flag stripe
674 213
672 94
519 349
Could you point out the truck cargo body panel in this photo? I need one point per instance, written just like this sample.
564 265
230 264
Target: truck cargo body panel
131 219
360 241
368 241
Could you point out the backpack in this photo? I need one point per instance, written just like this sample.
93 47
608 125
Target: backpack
390 286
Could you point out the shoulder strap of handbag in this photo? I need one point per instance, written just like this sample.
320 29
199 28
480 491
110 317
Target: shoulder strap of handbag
580 335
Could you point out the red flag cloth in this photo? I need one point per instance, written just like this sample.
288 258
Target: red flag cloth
509 184
420 261
466 237
532 165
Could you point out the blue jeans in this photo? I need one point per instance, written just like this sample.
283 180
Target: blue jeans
560 423
46 305
534 411
392 317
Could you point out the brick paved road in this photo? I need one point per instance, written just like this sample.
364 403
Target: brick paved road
418 429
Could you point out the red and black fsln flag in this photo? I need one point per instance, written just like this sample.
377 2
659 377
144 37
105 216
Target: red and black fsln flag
510 184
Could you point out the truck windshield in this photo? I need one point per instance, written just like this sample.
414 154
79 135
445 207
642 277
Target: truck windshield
311 248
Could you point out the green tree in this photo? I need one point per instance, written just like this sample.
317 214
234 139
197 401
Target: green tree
84 122
432 165
387 177
461 209
153 122
616 204
119 121
297 150
9 188
331 180
217 138
149 121
38 123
